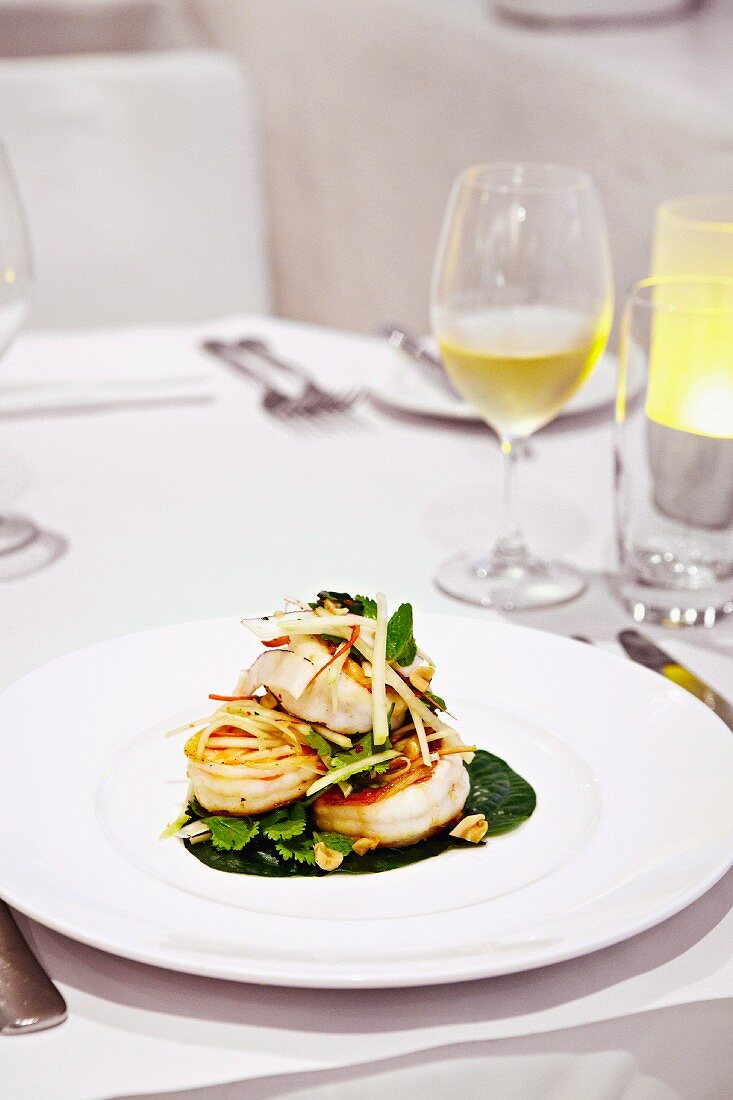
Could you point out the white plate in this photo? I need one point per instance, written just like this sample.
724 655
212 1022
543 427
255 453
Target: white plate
409 389
634 817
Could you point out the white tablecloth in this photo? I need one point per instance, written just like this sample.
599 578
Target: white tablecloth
149 519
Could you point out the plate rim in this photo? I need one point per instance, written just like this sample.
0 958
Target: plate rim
458 969
460 412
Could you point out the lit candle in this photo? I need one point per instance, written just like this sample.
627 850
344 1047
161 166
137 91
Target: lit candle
691 361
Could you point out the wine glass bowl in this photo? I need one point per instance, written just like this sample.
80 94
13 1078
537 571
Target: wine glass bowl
15 286
521 308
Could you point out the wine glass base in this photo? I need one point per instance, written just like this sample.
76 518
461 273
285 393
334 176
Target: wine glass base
521 587
15 533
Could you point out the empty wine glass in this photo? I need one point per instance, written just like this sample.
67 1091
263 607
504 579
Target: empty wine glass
521 308
15 284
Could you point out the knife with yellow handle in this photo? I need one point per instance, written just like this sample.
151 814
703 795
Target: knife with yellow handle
646 652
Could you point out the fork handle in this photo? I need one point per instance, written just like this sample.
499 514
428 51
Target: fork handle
29 1001
228 355
295 370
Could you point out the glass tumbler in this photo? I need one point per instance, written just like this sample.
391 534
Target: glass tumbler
674 452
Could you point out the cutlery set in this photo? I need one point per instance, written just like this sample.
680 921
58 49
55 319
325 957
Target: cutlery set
289 391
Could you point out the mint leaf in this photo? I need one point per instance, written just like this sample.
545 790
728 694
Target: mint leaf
231 834
285 823
401 647
337 841
321 745
299 848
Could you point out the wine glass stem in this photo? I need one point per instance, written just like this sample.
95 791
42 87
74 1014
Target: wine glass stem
510 548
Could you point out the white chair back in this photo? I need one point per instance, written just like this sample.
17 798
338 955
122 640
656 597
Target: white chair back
140 176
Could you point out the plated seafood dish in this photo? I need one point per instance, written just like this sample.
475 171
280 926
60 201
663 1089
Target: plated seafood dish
334 753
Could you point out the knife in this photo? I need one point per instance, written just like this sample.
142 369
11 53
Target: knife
403 340
646 652
29 1001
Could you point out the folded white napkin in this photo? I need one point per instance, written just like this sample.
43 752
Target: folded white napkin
65 372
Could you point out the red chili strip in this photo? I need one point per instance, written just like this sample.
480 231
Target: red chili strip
231 698
274 642
339 653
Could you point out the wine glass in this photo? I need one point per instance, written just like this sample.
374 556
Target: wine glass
15 283
521 307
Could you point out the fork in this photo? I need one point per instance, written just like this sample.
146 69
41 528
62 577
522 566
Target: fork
316 398
274 401
311 402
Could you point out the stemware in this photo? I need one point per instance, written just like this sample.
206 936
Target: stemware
15 283
521 307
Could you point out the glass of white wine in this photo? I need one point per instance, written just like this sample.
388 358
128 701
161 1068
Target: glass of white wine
521 308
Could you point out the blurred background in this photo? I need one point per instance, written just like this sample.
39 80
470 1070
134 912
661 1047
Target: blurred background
180 159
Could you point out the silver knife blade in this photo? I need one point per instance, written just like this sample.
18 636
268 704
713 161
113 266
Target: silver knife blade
403 340
646 652
29 1001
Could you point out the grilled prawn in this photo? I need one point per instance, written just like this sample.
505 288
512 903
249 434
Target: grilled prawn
397 814
246 780
339 697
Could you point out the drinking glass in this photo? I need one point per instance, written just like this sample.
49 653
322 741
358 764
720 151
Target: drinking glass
15 283
521 307
674 452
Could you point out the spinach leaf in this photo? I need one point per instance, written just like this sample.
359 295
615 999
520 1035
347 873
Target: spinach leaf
505 799
259 858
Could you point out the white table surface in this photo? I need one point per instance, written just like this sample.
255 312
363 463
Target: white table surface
150 514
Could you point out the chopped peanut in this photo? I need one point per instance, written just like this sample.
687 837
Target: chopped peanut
410 748
364 844
421 676
473 828
268 700
334 608
328 859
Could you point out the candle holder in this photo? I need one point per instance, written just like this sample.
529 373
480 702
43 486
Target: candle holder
674 452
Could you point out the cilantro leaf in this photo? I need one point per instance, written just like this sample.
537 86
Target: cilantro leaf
360 750
298 848
321 745
357 605
285 823
231 834
401 647
337 841
368 606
